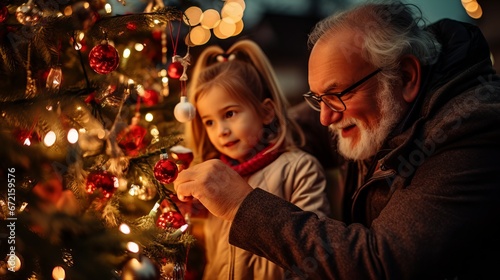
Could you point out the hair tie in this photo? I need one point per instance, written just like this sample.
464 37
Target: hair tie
225 57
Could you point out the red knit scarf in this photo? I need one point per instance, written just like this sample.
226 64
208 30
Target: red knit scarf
256 163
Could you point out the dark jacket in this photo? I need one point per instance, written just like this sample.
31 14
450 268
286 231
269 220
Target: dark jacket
429 207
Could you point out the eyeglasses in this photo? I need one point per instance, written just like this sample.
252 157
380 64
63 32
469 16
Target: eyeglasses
334 100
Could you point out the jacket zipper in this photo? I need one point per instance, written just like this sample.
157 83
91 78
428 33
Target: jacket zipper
377 175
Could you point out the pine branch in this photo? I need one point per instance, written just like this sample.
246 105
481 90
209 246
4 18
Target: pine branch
115 26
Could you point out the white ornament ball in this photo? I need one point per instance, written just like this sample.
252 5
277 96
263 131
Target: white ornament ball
184 111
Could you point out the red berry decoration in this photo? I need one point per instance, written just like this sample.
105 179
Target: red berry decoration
175 70
170 219
165 171
102 180
103 59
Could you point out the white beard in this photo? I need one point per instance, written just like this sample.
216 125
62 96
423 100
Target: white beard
371 139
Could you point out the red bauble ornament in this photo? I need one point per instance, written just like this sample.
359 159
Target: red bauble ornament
103 59
175 70
4 12
165 171
151 97
102 180
131 139
170 219
182 155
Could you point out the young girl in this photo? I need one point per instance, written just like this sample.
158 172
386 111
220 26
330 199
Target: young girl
241 119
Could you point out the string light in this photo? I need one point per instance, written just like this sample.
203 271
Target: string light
227 23
49 139
133 247
72 136
58 273
124 228
472 8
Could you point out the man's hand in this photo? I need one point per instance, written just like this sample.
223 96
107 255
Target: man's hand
219 188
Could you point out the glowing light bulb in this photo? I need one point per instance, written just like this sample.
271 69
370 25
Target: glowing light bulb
148 117
133 247
49 139
58 273
125 229
72 136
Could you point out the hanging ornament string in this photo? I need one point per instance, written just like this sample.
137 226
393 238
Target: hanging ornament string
184 111
174 44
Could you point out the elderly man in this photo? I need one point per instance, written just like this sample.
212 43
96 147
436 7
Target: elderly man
416 111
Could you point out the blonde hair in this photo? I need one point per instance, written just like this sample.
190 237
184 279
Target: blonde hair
247 75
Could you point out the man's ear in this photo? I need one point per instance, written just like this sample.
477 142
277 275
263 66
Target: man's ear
269 110
412 76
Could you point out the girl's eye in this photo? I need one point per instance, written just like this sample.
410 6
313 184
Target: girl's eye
230 114
208 123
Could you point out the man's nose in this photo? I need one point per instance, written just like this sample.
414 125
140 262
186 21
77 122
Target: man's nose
328 116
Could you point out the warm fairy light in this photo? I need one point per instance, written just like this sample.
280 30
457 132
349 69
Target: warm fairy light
233 11
68 11
239 27
81 35
101 133
240 2
14 262
164 80
126 53
477 14
154 131
199 35
227 27
72 136
139 47
124 228
155 21
49 139
133 247
210 19
471 6
27 142
148 117
227 23
23 206
58 273
78 46
193 15
108 8
219 34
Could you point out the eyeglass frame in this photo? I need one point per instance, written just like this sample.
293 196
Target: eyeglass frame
319 97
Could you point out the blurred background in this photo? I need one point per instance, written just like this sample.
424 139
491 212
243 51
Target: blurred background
281 27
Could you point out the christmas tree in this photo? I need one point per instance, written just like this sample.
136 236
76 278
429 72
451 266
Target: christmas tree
90 144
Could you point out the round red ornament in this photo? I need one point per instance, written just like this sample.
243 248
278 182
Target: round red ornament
102 180
165 171
170 219
175 70
103 59
4 12
151 97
